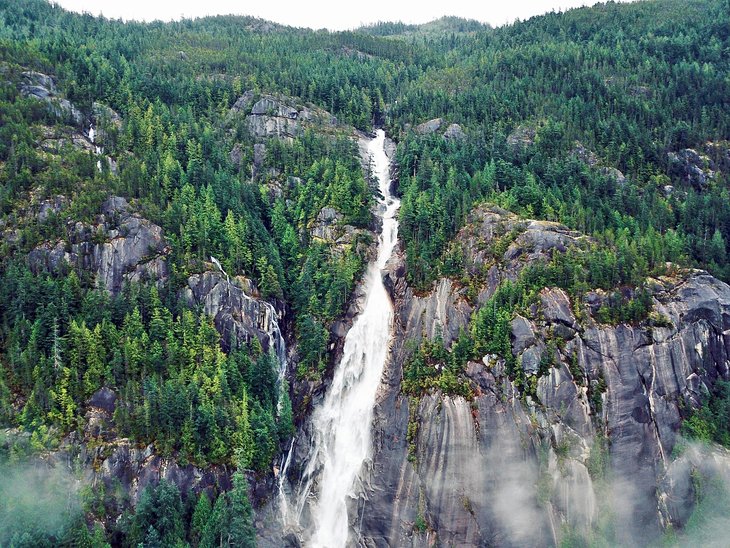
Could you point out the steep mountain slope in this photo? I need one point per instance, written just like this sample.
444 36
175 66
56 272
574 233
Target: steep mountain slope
186 213
593 436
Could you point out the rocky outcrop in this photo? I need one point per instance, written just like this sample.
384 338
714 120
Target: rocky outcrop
522 136
44 209
429 126
55 140
119 247
106 121
238 316
279 116
329 227
719 154
506 469
591 159
119 463
694 167
501 244
42 87
453 132
104 115
326 224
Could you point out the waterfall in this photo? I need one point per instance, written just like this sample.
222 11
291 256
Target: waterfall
97 149
341 425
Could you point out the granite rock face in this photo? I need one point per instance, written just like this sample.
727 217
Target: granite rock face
42 87
506 470
454 132
122 464
429 126
279 116
238 316
697 168
120 246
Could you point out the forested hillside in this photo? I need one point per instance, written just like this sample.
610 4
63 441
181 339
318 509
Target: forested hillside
159 182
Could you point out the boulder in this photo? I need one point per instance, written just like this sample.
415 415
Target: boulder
455 133
326 224
523 336
236 155
556 308
531 360
269 106
615 174
430 126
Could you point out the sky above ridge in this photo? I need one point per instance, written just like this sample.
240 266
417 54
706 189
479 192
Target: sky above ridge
328 14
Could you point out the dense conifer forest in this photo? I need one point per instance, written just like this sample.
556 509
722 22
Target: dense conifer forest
613 120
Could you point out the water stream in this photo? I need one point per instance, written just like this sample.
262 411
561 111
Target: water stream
99 150
341 425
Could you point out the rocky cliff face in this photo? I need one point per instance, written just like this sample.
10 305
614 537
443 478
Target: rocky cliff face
120 246
96 456
42 87
120 463
238 316
513 471
279 116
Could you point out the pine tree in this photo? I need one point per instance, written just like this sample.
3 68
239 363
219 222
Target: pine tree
242 438
200 518
215 532
241 531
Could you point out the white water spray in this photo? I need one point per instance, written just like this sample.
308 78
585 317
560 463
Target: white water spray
97 149
341 425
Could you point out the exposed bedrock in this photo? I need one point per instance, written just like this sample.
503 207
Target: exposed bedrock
509 471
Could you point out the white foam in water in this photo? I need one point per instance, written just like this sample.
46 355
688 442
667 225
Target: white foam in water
342 424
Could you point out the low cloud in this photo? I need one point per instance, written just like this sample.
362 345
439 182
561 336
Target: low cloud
36 500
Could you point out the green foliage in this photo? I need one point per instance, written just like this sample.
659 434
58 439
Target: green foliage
431 366
598 459
711 422
596 389
618 309
630 118
176 387
413 427
241 531
199 520
631 83
229 522
575 370
158 516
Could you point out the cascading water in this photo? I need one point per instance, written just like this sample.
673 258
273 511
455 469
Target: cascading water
341 425
97 148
